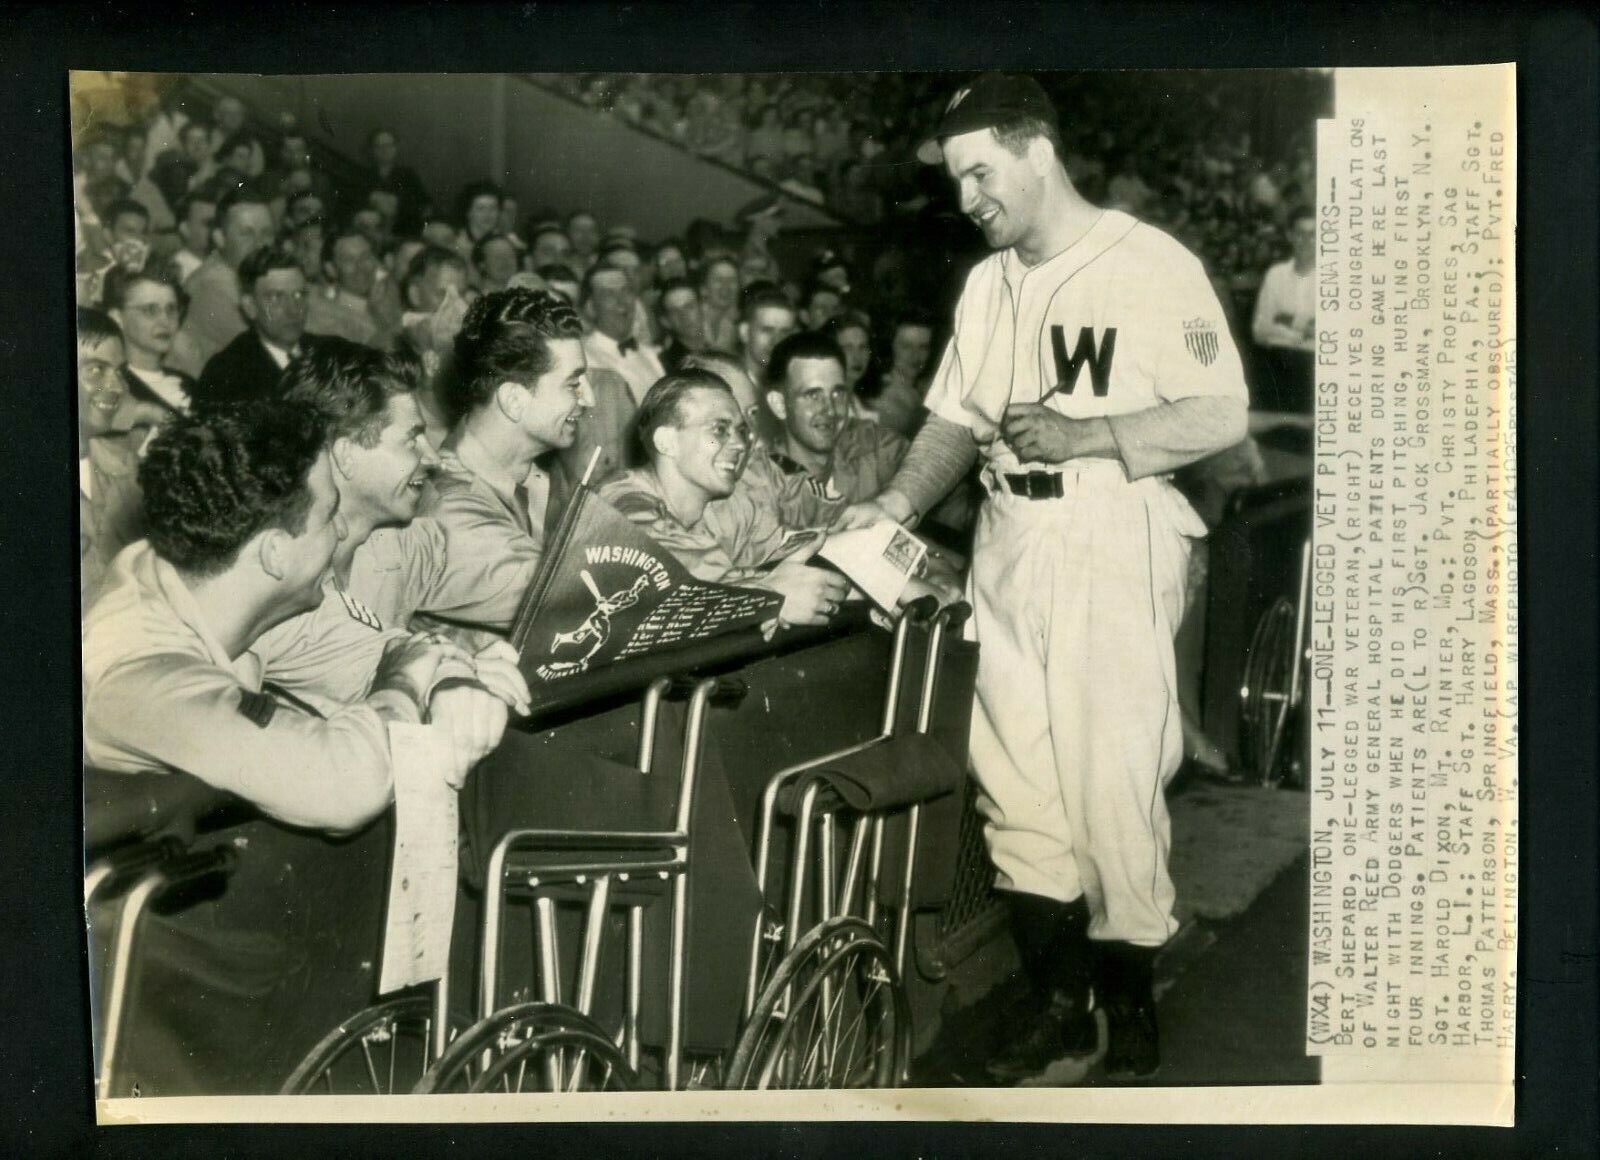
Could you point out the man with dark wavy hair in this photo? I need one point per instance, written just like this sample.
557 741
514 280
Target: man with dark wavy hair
243 520
518 392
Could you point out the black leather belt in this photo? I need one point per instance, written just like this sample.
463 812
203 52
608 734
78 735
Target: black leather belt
1034 484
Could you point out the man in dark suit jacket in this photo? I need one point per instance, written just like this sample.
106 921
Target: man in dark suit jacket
272 297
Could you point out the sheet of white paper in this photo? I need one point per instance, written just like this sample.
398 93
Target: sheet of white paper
422 878
879 560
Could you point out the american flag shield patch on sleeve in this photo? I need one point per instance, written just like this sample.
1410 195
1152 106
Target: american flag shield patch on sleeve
1200 336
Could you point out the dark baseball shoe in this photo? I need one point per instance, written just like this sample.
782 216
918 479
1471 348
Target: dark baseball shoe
1066 1032
1133 1047
1126 984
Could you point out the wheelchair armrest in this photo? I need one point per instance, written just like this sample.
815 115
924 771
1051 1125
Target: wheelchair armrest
955 616
120 808
907 769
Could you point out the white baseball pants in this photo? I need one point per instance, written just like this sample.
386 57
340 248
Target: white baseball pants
1076 729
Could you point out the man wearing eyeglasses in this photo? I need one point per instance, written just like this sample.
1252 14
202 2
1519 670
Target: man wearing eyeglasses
696 444
272 296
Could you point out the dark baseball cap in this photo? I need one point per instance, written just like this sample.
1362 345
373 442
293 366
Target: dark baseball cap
984 102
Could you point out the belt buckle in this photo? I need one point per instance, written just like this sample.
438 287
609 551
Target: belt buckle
1042 485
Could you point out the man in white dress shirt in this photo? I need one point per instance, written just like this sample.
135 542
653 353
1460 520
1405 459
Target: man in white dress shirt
1285 321
609 300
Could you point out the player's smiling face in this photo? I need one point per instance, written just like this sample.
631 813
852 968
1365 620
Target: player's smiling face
998 189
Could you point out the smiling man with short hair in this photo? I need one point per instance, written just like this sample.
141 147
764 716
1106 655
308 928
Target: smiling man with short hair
243 522
391 563
1090 359
351 269
838 455
696 443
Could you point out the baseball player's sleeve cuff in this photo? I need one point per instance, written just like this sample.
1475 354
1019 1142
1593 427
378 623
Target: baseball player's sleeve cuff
1166 437
941 455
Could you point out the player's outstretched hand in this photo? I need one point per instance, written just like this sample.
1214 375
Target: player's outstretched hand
859 515
890 505
498 670
472 720
810 595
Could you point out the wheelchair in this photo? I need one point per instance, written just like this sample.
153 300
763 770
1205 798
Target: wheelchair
138 877
825 1005
828 1008
1272 717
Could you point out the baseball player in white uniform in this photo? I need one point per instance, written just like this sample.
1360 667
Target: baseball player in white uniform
1089 359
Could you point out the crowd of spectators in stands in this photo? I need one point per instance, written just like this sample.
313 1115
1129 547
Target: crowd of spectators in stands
1178 150
224 250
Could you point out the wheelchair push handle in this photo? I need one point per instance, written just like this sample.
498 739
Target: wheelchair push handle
189 868
921 610
955 616
121 868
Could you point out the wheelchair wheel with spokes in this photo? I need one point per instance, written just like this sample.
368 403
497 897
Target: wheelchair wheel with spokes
834 1015
382 1050
1268 697
531 1047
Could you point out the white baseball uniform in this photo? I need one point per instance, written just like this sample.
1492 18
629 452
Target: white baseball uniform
1076 599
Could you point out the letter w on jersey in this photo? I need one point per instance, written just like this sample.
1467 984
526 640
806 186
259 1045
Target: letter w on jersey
1097 354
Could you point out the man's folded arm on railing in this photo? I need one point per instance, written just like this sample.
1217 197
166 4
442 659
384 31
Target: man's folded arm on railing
175 711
